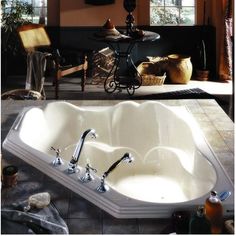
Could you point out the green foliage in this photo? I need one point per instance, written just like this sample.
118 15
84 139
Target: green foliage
170 14
162 16
14 14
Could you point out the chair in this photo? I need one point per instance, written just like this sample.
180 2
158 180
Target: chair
35 38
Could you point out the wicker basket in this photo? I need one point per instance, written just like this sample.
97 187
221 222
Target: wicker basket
22 94
148 71
149 80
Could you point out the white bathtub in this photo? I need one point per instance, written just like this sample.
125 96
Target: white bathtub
174 167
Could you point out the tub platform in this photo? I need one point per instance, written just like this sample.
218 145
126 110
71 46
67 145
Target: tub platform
206 112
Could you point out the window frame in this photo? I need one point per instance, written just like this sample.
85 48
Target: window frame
179 14
33 17
38 7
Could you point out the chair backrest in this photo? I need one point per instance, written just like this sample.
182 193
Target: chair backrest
33 36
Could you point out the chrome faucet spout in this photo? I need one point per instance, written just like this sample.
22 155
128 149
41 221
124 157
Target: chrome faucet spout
127 157
78 149
79 146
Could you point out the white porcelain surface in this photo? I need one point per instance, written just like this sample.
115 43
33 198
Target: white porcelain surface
166 159
173 163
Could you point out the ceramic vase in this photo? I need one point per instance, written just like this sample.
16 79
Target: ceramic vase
179 68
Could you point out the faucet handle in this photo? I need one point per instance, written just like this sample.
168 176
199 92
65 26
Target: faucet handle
58 160
88 167
58 151
88 177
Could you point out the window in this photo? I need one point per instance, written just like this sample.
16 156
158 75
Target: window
39 10
172 12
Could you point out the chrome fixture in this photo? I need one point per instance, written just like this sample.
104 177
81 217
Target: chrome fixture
57 161
224 195
75 157
88 177
126 158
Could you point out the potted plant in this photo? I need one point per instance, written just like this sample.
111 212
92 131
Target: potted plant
14 14
202 73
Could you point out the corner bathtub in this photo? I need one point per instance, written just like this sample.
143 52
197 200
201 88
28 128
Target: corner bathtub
174 167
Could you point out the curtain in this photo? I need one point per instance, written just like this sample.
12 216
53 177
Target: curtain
226 43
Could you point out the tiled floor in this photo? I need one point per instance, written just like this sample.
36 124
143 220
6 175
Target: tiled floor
81 216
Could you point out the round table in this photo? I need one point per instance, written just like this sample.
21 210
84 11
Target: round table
132 80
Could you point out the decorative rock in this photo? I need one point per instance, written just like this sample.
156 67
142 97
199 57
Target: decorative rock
39 200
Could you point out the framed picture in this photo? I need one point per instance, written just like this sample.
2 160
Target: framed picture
99 2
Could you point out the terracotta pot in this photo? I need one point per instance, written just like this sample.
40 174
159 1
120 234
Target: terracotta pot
179 68
9 176
202 75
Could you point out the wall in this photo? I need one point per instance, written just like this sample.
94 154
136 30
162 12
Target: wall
53 12
181 40
77 13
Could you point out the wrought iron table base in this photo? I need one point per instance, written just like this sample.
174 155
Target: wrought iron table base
114 80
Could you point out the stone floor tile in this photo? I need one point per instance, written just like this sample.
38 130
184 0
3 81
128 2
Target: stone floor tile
226 158
120 226
230 171
227 134
206 126
22 191
224 126
155 226
83 209
228 137
60 196
201 117
4 193
4 133
207 102
84 226
27 172
195 109
170 102
7 121
212 109
10 159
106 215
218 117
188 102
216 141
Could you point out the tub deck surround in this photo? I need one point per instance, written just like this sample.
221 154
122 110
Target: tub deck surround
175 157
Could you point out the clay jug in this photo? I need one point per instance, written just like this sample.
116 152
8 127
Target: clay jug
179 68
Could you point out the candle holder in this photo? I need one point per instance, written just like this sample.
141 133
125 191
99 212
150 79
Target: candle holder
129 6
9 176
